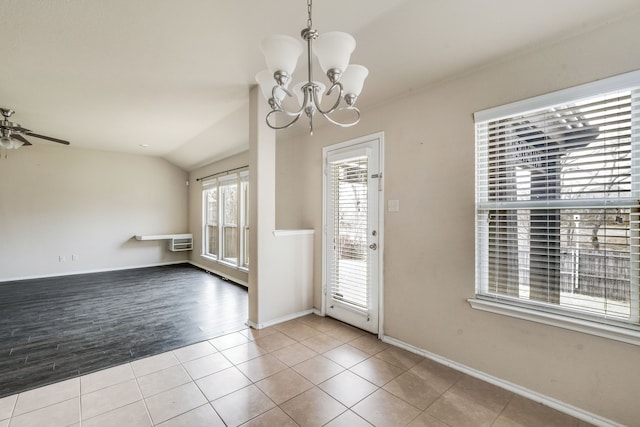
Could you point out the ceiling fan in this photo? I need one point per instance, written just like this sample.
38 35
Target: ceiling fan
12 134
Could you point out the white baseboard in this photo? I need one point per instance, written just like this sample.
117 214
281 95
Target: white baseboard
272 322
98 270
524 392
219 273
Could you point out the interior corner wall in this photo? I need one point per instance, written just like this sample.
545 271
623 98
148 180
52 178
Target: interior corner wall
196 213
429 244
63 201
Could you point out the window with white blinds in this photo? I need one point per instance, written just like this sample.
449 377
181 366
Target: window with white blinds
226 219
557 202
349 272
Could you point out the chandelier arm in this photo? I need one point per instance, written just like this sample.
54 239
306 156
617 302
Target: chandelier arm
344 125
277 105
282 88
286 112
334 106
285 126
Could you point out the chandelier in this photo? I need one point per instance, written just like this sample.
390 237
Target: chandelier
333 51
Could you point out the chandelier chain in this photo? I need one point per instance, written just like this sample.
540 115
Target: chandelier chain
309 23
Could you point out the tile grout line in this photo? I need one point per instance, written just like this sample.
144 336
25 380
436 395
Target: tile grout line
193 380
80 401
513 395
254 383
202 391
317 386
144 400
13 409
279 406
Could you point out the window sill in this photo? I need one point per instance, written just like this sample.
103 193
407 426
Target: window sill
228 264
580 325
225 263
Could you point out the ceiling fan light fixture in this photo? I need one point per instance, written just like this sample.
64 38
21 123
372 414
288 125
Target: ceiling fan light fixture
12 135
6 142
9 143
17 144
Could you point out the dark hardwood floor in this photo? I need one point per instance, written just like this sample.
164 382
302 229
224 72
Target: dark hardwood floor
57 328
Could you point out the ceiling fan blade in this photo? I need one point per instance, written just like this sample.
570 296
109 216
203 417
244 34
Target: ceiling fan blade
59 141
20 138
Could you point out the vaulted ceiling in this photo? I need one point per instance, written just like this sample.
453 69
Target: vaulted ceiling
170 78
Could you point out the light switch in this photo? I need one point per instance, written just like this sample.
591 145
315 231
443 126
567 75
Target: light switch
393 205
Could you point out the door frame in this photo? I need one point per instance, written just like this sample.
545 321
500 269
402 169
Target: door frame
381 203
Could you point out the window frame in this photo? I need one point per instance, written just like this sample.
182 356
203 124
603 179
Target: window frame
226 185
239 178
243 222
577 320
207 187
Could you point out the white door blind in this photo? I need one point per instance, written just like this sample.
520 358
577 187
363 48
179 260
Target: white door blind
349 273
557 206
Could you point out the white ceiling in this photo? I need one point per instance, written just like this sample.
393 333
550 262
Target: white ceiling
174 74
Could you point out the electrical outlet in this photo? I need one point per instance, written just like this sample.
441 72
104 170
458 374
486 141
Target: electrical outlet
62 258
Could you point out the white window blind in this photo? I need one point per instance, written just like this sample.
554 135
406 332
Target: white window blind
557 210
349 273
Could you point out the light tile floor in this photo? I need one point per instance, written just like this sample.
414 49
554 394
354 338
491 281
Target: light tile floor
311 371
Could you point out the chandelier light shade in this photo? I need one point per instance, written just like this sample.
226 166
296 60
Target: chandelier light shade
333 51
353 79
265 80
281 53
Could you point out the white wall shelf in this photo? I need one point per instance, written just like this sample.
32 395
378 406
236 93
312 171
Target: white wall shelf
177 242
163 236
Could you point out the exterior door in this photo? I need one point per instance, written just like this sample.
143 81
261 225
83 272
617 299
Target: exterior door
352 252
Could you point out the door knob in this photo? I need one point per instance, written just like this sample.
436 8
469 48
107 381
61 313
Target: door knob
373 246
